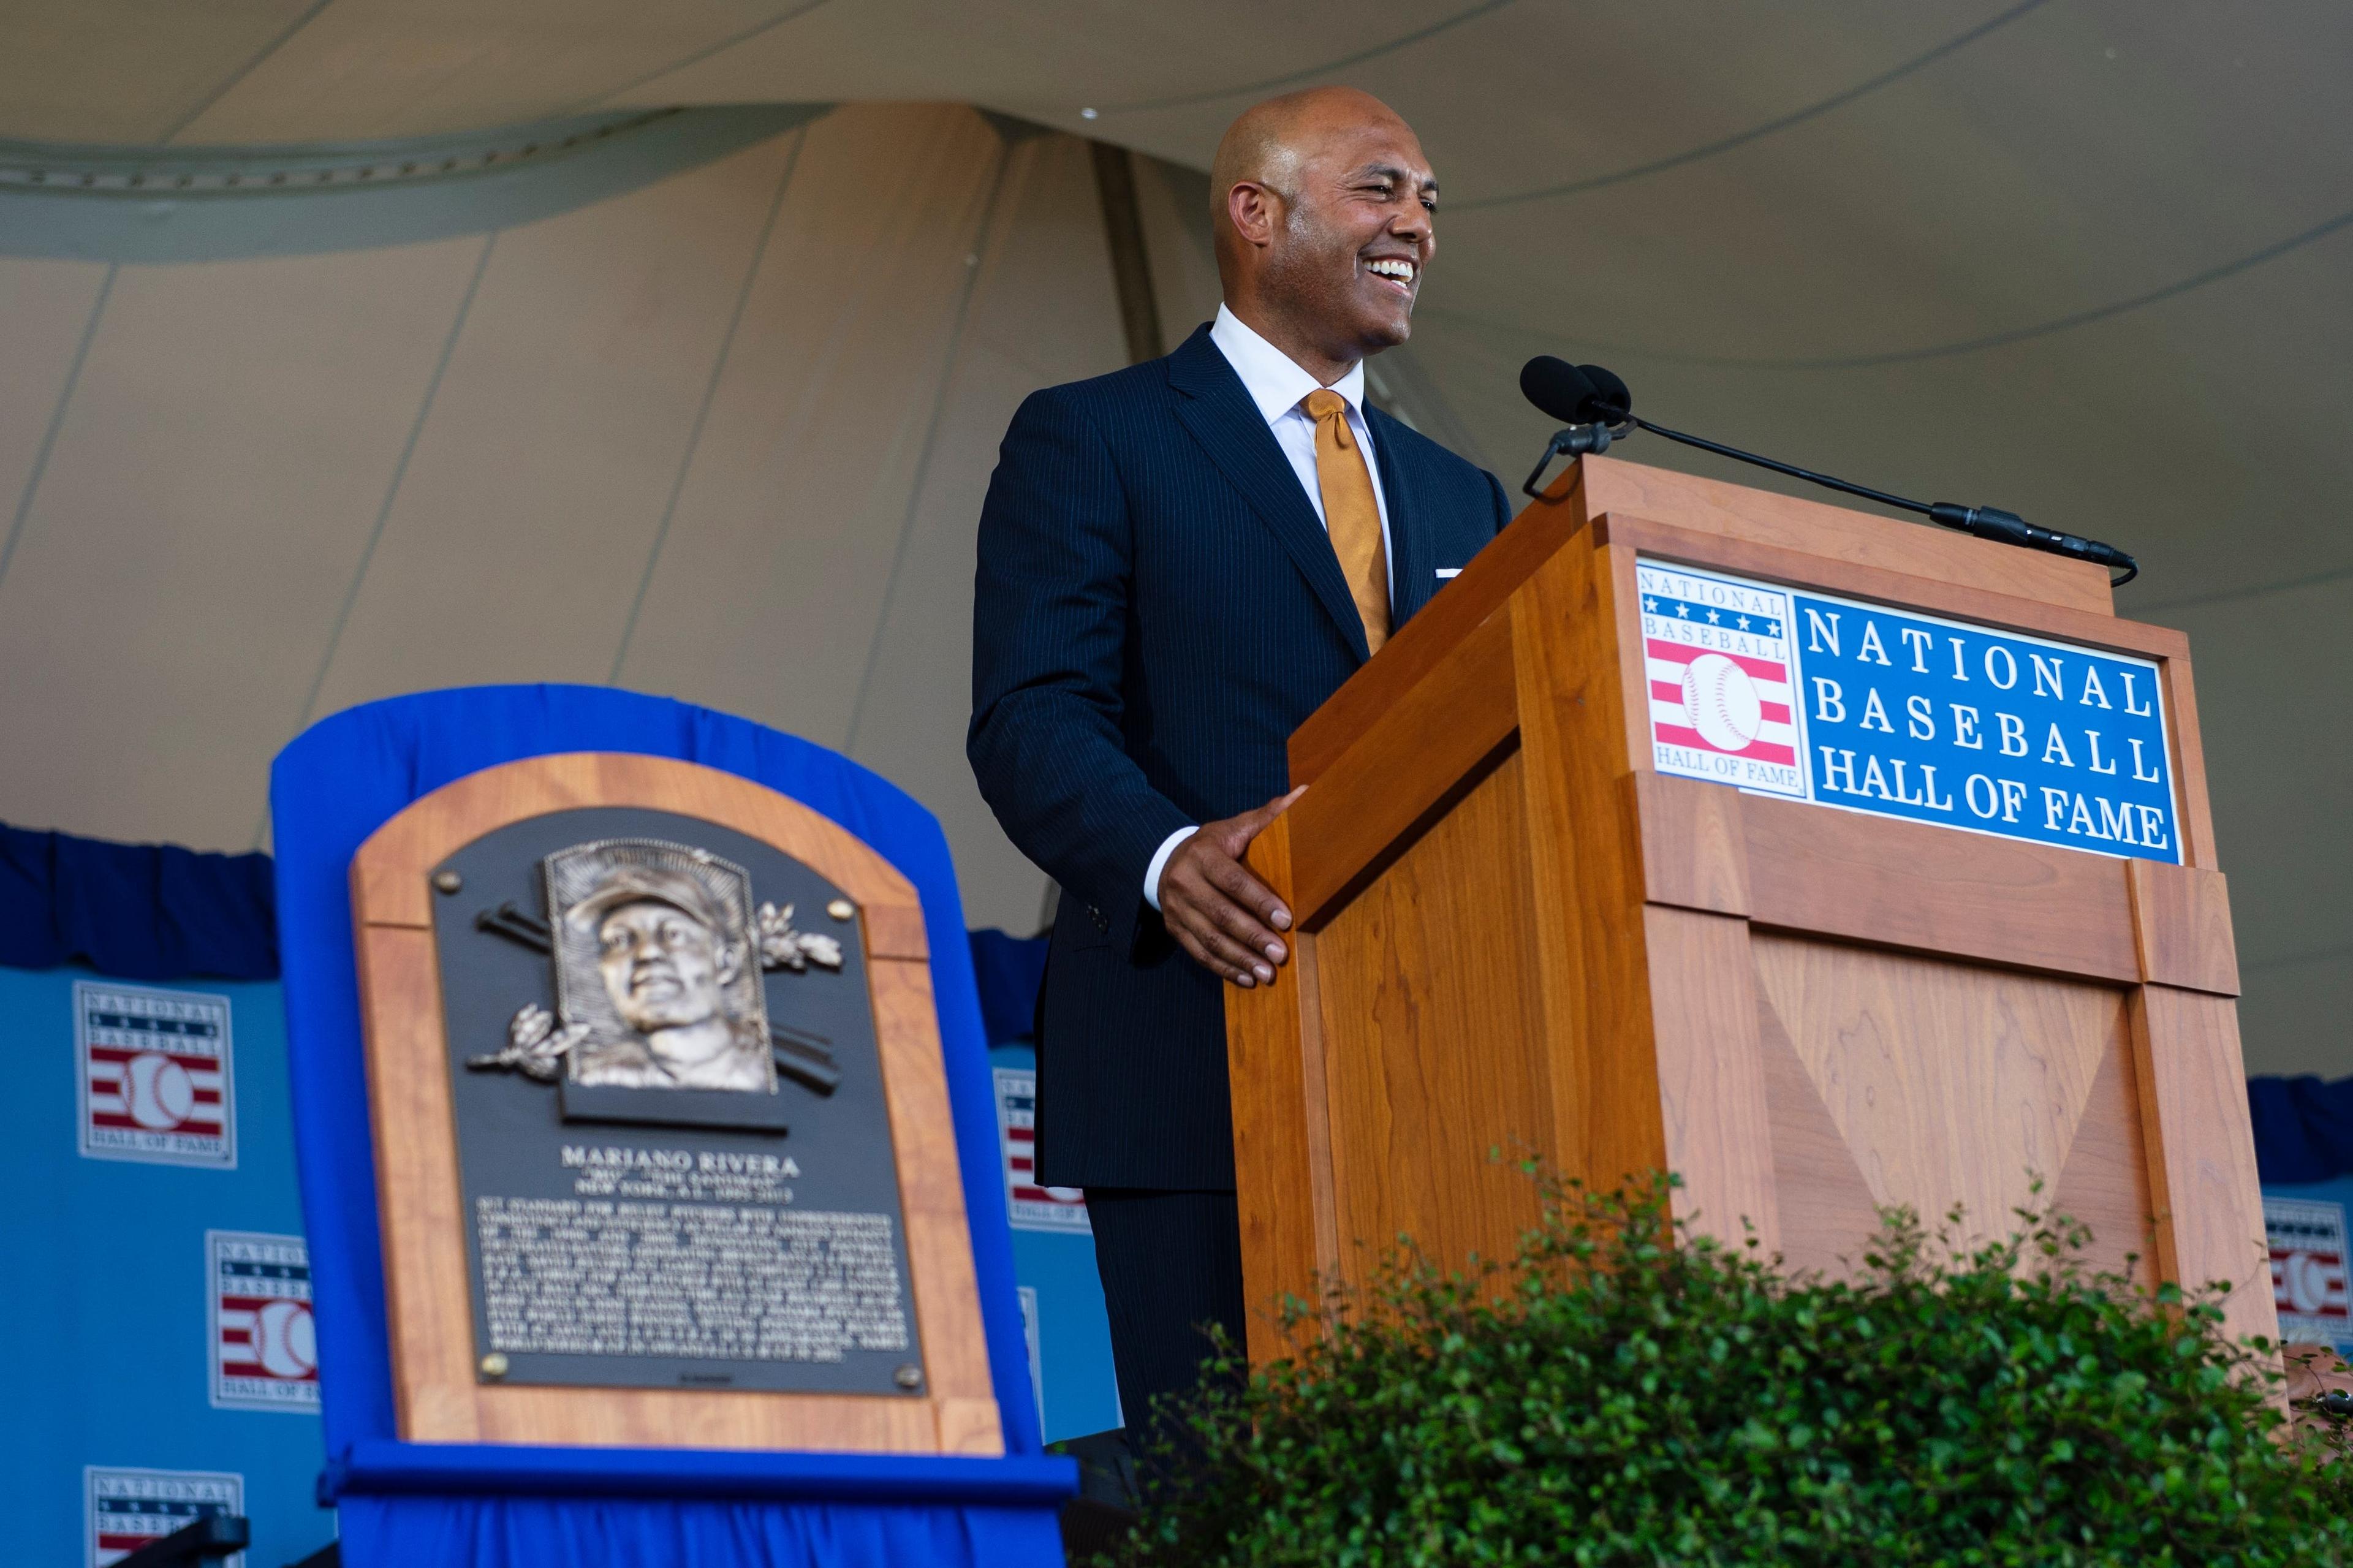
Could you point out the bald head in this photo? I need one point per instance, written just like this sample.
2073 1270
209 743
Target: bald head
1322 204
1268 142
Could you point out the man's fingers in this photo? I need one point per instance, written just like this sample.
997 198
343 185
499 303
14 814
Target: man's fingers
1255 820
1273 808
1221 955
1251 897
1210 924
1235 922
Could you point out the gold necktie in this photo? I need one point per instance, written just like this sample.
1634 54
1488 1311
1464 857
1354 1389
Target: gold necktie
1351 515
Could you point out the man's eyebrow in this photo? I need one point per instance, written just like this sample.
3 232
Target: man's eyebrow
1392 173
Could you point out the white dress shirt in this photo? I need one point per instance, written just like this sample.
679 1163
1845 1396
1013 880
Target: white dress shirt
1277 384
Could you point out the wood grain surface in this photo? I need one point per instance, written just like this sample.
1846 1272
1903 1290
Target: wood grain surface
2202 1157
438 1394
1828 1210
1712 1104
1281 1137
1695 843
1429 743
2105 1183
2196 814
2181 925
1949 1083
1927 889
1430 1038
1593 971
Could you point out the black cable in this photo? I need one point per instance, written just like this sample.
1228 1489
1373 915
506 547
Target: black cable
1789 468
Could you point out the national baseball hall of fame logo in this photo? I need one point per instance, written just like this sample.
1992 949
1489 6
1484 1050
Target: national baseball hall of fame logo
128 1509
1894 712
2308 1269
155 1075
1029 1206
265 1347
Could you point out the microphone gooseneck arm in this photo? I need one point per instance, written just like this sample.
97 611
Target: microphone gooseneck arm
1795 472
1981 521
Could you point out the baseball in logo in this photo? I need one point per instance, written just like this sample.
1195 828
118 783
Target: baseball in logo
265 1346
128 1509
2308 1263
156 1080
1716 653
1029 1206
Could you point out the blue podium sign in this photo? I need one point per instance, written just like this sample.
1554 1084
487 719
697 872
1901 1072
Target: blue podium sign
480 1504
1845 703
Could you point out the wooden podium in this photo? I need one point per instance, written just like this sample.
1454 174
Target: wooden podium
1514 931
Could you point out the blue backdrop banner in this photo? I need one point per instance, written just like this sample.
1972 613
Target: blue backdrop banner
331 788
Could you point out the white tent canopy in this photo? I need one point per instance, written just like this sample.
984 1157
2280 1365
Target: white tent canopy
418 379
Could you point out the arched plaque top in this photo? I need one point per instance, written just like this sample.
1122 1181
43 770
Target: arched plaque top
390 890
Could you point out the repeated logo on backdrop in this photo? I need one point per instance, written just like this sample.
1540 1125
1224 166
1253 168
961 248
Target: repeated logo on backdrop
154 1074
1843 703
2308 1259
1028 1204
127 1508
265 1350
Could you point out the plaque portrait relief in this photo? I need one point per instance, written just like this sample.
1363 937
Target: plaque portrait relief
650 958
657 953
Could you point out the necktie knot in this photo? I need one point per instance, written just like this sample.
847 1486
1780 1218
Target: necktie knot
1329 409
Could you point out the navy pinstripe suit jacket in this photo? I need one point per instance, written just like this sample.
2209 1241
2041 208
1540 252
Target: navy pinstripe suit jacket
1157 607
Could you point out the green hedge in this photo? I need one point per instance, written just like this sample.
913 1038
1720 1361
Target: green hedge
1610 1397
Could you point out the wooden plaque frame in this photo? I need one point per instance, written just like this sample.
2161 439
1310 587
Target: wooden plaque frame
1512 931
437 1395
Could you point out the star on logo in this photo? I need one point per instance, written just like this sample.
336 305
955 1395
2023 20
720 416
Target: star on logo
1744 623
1772 628
1683 612
1649 604
1713 618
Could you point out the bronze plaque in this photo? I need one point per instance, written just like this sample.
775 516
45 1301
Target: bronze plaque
673 1145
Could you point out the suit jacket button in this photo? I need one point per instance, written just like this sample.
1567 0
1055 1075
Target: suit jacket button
1103 926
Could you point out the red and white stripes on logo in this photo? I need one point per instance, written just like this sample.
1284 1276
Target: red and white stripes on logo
1730 703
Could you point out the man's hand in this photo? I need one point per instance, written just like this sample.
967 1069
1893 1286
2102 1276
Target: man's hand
1217 910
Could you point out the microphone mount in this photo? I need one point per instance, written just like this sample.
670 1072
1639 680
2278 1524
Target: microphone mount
1980 521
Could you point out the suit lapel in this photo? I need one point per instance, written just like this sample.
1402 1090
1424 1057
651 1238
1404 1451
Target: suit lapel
1217 410
1410 584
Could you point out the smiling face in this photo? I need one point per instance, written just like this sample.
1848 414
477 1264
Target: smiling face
664 968
1328 219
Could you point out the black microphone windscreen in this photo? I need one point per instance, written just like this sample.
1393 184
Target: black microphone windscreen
1559 388
1612 401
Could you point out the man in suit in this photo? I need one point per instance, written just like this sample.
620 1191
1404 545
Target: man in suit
1178 563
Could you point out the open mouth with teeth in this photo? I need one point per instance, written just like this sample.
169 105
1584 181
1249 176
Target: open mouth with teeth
1395 271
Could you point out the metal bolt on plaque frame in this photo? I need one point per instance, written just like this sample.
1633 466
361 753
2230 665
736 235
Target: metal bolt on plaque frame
673 1145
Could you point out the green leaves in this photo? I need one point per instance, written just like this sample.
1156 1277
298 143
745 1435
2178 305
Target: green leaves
1620 1396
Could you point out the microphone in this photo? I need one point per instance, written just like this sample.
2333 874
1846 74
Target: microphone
1597 408
1586 411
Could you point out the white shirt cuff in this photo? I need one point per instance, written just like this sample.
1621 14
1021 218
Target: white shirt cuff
1160 863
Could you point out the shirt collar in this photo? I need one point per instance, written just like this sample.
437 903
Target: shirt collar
1272 378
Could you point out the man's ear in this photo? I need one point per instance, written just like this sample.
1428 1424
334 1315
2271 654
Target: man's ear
1254 210
730 961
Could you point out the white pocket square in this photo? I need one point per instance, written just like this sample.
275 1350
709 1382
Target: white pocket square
1445 572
